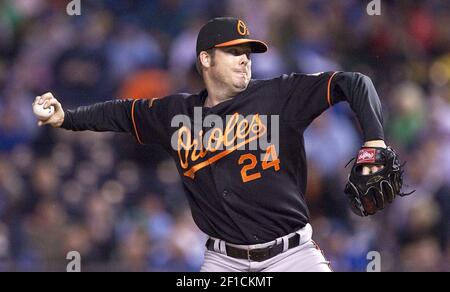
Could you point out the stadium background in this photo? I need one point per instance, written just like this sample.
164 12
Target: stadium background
121 205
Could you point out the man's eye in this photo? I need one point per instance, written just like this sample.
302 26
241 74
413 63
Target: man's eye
236 52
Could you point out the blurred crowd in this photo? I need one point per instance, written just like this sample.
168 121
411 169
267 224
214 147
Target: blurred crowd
122 206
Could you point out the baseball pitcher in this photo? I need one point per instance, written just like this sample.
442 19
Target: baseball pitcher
238 146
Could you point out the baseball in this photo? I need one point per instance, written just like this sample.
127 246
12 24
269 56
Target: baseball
41 113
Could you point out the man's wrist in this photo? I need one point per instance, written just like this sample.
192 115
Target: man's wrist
65 121
375 143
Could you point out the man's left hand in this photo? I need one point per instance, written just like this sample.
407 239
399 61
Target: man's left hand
366 170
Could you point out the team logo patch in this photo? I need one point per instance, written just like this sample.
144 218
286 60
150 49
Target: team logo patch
366 156
242 28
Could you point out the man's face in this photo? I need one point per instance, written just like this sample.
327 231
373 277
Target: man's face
231 67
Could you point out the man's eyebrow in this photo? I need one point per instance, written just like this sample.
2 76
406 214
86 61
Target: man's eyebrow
243 50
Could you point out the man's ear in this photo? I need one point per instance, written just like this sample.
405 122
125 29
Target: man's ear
205 59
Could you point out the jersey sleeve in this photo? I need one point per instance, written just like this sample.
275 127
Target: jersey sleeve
306 96
144 119
150 119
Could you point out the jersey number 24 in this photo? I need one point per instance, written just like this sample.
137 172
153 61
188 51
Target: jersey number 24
270 160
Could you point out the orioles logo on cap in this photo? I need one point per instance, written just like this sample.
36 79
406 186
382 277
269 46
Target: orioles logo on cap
242 28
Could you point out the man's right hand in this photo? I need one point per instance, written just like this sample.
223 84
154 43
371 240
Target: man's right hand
57 119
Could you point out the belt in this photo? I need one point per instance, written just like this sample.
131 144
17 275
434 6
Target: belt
257 255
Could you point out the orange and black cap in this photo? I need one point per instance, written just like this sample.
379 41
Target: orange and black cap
225 32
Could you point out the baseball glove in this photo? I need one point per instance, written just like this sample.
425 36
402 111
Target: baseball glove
370 193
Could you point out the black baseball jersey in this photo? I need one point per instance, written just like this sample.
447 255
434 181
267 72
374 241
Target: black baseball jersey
243 167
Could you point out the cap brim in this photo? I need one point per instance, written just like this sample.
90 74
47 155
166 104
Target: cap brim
256 46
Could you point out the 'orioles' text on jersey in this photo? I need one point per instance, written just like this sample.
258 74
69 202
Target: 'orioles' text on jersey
243 164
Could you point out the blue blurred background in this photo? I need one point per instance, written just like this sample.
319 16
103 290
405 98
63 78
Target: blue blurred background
122 206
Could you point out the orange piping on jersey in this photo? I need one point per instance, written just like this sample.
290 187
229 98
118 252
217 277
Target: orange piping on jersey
134 122
329 89
151 102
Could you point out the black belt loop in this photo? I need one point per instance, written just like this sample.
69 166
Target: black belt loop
257 255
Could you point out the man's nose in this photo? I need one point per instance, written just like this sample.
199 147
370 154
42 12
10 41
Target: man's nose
244 59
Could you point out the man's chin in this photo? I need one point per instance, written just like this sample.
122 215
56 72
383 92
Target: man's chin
240 86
